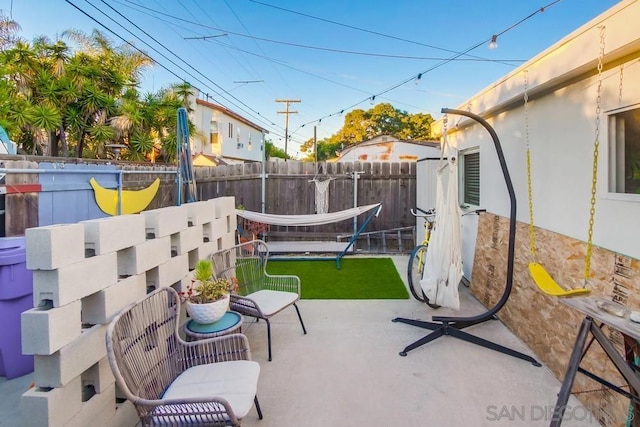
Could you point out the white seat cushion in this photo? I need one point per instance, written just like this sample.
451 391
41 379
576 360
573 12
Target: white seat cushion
236 381
271 302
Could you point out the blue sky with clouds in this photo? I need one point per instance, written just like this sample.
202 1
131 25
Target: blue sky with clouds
333 55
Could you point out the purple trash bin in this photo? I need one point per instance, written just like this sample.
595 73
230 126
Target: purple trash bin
16 296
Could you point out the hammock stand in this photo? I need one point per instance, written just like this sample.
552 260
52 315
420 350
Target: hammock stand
315 219
449 325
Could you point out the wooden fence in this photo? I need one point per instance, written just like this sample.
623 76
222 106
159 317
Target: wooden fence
288 188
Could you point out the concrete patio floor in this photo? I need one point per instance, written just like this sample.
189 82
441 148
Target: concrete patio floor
347 372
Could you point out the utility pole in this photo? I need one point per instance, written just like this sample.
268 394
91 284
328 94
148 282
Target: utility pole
286 121
315 146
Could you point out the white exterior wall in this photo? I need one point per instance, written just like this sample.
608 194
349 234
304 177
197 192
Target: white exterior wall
390 151
562 115
244 144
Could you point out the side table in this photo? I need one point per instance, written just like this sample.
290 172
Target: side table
228 324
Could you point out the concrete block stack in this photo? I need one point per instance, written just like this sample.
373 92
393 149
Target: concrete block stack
84 274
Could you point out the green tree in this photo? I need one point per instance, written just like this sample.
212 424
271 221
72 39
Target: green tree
106 74
360 125
52 92
416 127
272 151
357 127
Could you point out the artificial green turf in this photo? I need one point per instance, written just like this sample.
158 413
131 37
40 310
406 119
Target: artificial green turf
358 278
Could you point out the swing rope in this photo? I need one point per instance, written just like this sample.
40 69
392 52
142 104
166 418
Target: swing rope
540 276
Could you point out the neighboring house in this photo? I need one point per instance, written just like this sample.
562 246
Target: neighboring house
200 159
224 134
387 148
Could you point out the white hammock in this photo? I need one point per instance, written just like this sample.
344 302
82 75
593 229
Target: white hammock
305 220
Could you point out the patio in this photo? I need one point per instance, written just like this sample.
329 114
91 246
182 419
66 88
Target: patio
347 371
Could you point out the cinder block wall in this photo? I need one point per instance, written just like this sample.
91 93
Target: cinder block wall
85 273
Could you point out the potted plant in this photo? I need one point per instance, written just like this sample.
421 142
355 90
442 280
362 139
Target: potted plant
253 229
207 298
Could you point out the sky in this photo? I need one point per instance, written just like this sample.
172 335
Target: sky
332 55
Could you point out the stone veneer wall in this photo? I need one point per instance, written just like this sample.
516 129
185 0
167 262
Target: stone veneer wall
85 273
542 322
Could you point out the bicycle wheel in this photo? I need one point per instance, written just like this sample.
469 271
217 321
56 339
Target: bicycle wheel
414 274
415 269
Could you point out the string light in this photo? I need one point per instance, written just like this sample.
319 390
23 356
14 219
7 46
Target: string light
494 42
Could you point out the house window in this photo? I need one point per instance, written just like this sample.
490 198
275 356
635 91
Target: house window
470 169
624 152
230 130
213 132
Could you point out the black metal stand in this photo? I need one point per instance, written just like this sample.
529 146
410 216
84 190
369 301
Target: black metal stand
444 325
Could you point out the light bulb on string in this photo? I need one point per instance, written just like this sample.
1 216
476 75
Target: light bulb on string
372 99
494 42
418 77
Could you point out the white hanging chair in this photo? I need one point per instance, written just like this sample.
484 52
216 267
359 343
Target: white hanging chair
443 264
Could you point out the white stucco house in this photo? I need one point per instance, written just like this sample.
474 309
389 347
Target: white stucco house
559 127
581 93
223 133
387 148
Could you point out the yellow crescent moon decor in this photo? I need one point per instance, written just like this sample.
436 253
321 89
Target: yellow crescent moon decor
133 201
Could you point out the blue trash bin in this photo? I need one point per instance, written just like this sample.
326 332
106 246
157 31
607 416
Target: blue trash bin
16 296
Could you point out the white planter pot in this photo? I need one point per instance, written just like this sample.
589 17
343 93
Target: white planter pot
209 312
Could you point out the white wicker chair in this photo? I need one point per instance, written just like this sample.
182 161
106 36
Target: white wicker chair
260 295
210 382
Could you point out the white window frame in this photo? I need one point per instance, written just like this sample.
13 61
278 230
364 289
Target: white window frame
616 151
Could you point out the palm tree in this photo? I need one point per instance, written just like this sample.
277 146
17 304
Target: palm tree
54 96
9 30
184 91
106 73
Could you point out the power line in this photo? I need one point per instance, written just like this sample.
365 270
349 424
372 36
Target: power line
353 52
161 54
421 74
190 66
389 36
283 64
326 49
277 71
242 63
372 97
136 7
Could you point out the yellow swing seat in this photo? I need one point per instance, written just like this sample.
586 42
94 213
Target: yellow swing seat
549 286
